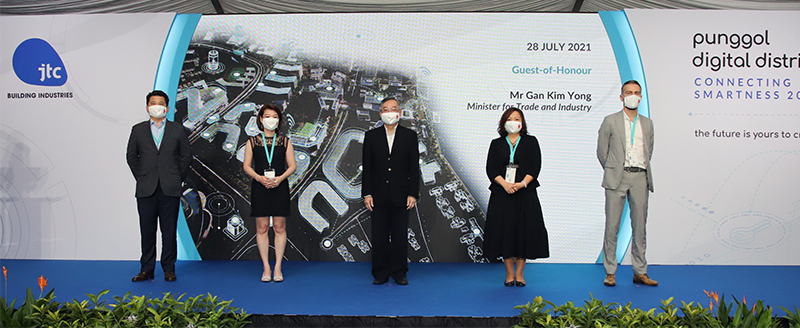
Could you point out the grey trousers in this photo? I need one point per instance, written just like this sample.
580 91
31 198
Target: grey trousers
634 187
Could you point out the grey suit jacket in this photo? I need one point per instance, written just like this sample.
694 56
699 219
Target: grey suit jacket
152 166
611 148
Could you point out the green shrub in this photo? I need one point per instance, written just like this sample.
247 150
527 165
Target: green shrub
595 313
126 311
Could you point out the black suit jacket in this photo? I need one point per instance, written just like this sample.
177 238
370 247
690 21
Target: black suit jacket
528 156
152 166
390 178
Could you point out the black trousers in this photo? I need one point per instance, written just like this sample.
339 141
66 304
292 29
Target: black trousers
154 210
389 257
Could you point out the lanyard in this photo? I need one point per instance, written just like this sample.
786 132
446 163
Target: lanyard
633 129
513 149
272 149
158 139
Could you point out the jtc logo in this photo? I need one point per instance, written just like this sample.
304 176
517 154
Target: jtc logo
36 62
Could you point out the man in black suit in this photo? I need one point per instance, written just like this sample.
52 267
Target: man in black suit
390 187
158 155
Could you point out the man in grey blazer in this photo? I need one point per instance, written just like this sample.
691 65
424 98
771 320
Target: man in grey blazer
624 148
158 155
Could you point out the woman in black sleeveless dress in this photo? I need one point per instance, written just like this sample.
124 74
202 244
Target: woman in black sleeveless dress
515 227
269 160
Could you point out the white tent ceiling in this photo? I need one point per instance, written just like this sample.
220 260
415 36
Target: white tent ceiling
48 7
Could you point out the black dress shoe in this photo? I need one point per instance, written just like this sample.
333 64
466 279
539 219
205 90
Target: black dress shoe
142 276
379 281
402 281
170 276
509 283
520 284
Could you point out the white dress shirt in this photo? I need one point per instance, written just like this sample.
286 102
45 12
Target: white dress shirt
390 138
634 153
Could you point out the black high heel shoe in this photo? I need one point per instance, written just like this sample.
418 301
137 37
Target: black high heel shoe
520 284
509 283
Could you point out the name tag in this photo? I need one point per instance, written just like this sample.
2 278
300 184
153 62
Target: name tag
270 174
511 173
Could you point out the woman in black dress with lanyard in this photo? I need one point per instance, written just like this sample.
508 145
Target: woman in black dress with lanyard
269 160
515 227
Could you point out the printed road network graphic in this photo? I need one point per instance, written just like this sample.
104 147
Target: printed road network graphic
329 103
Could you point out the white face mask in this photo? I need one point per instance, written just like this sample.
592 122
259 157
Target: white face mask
390 118
270 123
632 101
157 111
513 126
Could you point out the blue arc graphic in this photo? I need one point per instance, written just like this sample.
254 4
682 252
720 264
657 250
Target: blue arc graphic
167 76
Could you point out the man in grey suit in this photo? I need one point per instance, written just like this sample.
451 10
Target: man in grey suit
158 155
624 148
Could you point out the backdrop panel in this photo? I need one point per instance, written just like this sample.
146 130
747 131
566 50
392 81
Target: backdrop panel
720 92
724 101
454 75
73 86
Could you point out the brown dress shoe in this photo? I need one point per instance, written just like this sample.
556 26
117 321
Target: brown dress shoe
170 276
644 280
142 276
610 280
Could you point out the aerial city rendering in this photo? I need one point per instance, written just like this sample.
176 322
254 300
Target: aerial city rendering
328 105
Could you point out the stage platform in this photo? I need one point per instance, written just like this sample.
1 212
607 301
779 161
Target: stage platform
435 289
